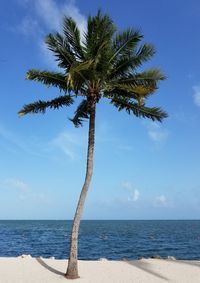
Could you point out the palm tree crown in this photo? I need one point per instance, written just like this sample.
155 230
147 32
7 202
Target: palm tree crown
102 65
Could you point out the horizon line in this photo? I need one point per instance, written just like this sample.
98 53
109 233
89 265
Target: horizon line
183 219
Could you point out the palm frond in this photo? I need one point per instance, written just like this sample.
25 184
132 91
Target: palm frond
144 53
138 86
82 112
125 43
72 35
138 90
118 93
138 93
41 106
99 34
119 68
153 113
148 78
61 49
104 64
48 78
79 75
153 74
126 64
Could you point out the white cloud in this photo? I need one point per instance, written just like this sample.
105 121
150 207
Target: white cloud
29 27
157 133
47 16
72 141
196 96
15 184
12 141
46 54
161 201
69 142
134 194
72 10
24 192
51 13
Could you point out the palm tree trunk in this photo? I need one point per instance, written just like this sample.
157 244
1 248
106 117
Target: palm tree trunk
72 269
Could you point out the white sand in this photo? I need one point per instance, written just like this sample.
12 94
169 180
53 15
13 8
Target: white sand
32 270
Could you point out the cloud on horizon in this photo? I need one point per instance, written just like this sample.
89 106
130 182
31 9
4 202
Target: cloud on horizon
134 194
24 191
161 201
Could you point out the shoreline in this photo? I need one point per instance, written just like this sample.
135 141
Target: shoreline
27 269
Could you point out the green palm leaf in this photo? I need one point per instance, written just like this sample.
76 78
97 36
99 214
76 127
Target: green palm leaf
126 64
153 113
41 106
82 112
148 78
150 75
61 50
144 53
99 34
48 78
125 43
72 35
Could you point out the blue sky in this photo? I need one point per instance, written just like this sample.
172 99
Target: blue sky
143 170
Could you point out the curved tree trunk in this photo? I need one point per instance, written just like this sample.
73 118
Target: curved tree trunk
72 269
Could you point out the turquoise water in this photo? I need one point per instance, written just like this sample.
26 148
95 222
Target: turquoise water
109 239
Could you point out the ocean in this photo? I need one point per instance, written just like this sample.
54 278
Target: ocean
111 239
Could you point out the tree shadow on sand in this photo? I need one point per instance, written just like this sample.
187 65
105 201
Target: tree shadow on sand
187 262
45 265
145 266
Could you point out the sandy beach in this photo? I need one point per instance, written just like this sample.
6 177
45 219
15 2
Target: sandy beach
39 270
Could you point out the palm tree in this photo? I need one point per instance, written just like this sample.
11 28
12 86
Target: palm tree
101 65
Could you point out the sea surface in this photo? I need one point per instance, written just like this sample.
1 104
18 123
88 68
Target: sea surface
102 239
